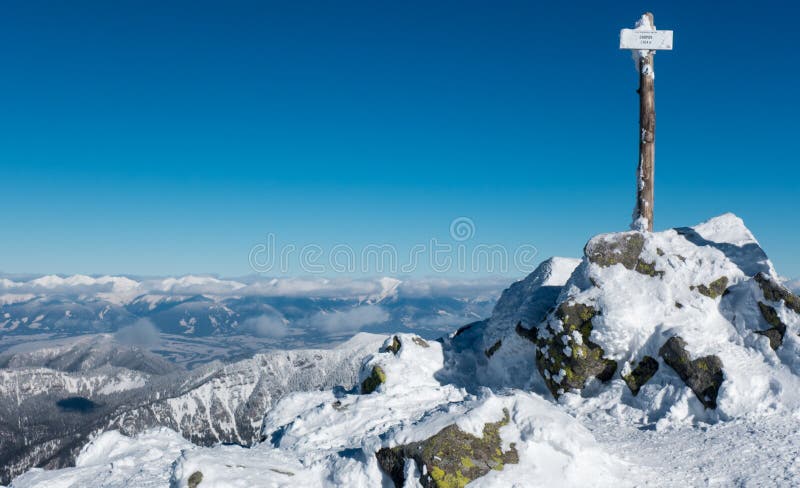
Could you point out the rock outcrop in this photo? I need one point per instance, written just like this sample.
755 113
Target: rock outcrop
566 357
703 375
375 379
450 458
641 374
625 249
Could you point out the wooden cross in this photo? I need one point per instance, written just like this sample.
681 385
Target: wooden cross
644 40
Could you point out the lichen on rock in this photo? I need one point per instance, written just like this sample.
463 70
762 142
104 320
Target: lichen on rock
624 248
195 479
703 375
451 458
643 371
394 347
376 378
714 289
566 358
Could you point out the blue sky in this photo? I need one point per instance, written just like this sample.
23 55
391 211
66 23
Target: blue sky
159 138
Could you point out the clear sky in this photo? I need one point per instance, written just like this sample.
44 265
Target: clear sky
156 138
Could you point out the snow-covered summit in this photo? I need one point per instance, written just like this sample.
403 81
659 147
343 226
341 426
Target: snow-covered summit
689 323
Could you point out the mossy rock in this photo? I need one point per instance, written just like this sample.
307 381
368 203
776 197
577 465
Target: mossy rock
624 249
777 331
195 479
703 375
714 289
775 292
451 458
641 374
376 378
490 352
567 358
394 347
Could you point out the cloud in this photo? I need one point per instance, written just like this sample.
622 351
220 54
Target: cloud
141 333
352 320
121 290
313 287
267 325
489 287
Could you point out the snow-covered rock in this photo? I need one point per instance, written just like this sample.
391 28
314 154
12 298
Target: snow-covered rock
709 290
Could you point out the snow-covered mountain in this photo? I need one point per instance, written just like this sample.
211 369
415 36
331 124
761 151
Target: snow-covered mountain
202 306
211 404
660 359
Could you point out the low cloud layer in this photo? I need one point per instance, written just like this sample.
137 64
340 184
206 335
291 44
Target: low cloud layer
142 333
121 289
267 325
352 320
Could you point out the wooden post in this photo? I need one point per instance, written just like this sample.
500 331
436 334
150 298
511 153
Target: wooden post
644 41
645 194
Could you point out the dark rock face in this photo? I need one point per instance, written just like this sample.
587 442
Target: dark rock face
530 334
567 358
376 378
451 458
624 249
703 375
775 292
490 352
714 289
777 331
640 375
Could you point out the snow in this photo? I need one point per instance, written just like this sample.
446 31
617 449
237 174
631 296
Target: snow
114 460
314 441
727 228
644 24
599 436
